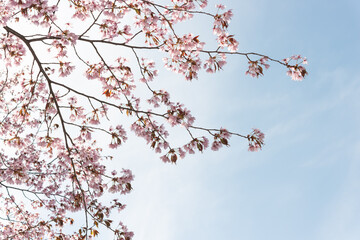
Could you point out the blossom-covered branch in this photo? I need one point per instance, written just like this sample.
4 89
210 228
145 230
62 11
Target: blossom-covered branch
50 160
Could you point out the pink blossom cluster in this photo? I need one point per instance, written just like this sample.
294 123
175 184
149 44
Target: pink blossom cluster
66 37
154 26
16 229
256 140
76 112
177 114
37 11
220 139
61 49
297 72
65 68
255 67
184 55
153 133
189 5
118 136
85 134
5 14
122 184
215 63
44 166
148 70
59 46
199 144
12 50
111 29
124 233
181 11
158 97
221 24
116 80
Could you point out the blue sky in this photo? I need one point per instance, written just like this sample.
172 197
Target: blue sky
305 184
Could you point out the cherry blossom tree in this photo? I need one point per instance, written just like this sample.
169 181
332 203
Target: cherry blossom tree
51 164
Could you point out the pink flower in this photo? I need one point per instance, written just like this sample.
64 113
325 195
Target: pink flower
165 159
256 140
65 69
220 6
